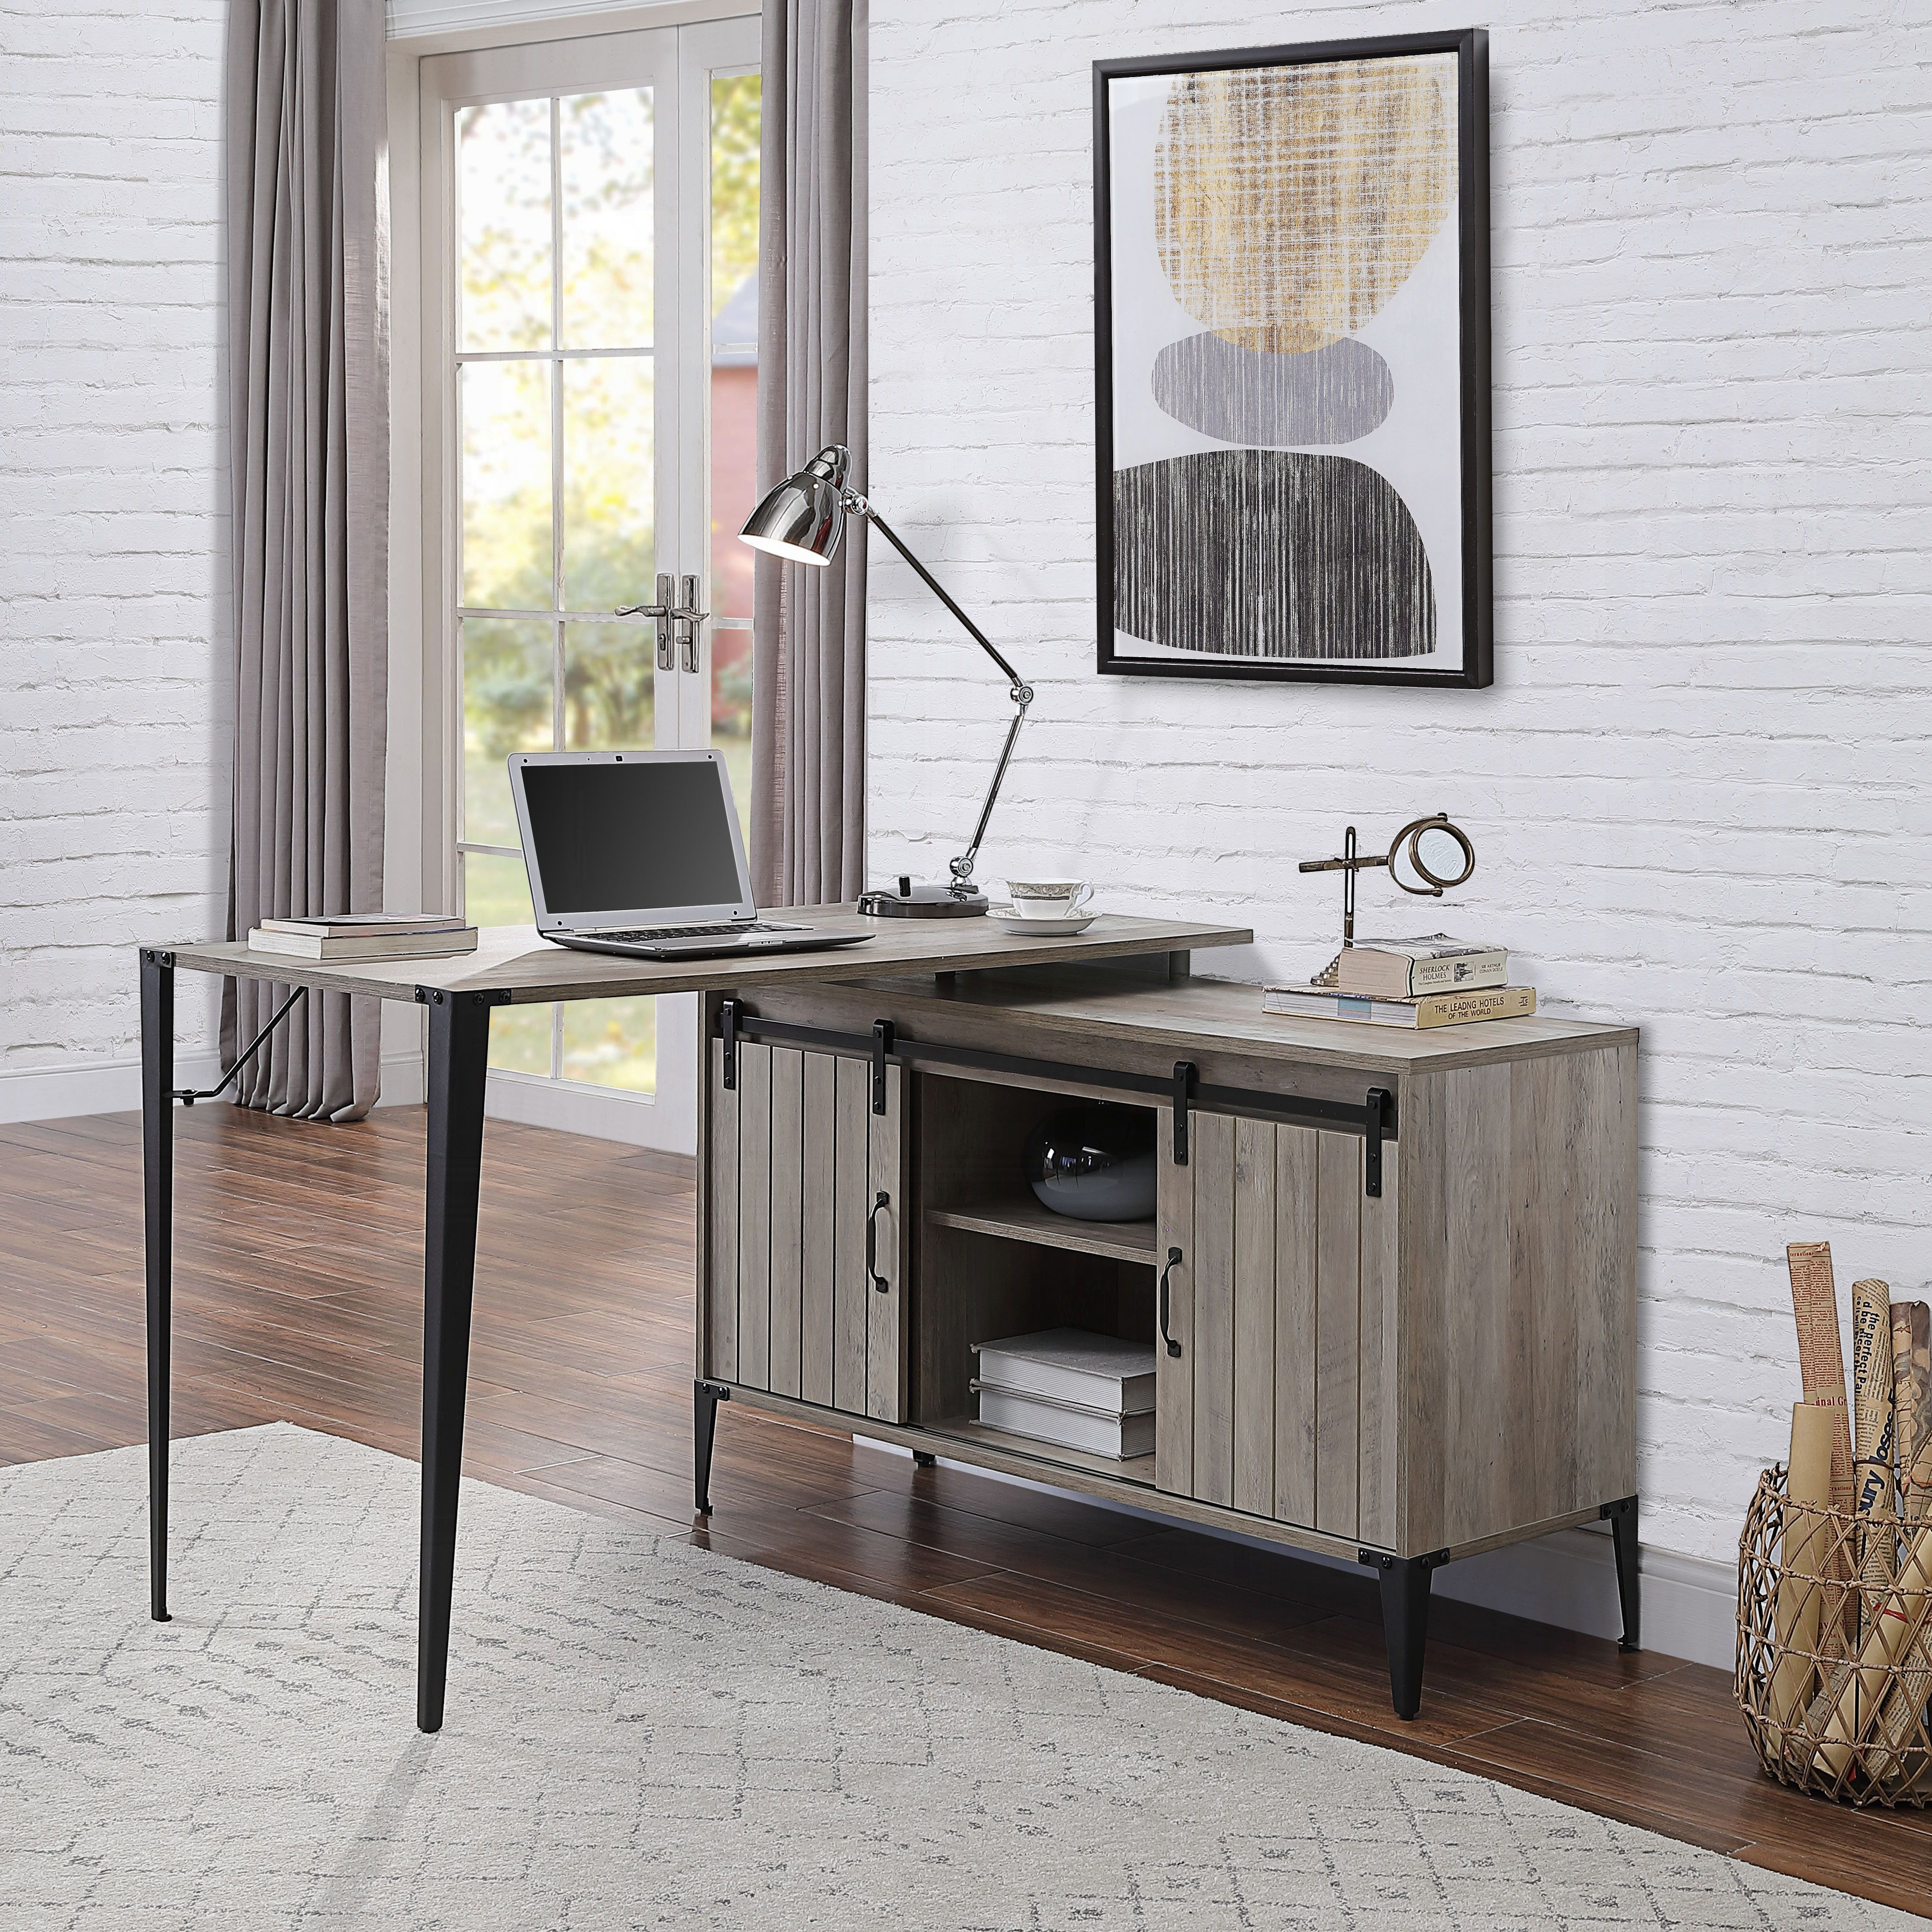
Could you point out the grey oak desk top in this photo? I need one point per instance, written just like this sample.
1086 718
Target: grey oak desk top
512 958
1201 1015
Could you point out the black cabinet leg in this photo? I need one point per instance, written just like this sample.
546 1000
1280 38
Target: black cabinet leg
1622 1517
705 1397
459 1051
158 1209
924 1459
1404 1582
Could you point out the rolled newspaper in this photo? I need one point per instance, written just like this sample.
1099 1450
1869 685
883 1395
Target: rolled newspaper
1911 1384
1821 1359
1859 1689
1873 1497
1809 1533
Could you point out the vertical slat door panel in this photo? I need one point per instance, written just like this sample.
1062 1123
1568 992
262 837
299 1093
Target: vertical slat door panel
1337 1316
1173 1375
819 1116
754 1216
787 1222
1296 1150
1255 1316
720 1279
1212 1157
1378 1392
851 1290
886 1328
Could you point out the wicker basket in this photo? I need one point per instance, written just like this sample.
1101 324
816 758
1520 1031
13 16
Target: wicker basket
1817 1610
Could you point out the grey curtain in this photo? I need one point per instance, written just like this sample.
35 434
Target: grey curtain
809 643
308 381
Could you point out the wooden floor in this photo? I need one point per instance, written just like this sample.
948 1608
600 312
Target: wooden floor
298 1295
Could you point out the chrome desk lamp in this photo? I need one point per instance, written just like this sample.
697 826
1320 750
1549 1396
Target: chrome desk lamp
803 521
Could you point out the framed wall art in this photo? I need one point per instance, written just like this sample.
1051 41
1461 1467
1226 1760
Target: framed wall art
1291 329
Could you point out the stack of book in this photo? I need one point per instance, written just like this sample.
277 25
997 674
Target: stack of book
365 935
1435 981
1094 1393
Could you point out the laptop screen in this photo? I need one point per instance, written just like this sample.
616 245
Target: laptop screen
646 834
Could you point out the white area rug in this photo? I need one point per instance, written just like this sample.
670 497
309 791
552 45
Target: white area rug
641 1734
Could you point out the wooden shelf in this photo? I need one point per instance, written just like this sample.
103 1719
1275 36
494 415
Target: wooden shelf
1014 1219
1138 1469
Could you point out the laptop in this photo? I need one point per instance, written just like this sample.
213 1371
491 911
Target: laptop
639 852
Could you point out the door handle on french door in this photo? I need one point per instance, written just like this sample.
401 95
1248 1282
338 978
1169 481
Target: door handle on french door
665 610
688 616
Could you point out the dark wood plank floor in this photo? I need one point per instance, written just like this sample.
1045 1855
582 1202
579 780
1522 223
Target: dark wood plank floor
298 1295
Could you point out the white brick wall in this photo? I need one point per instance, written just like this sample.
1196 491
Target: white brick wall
113 657
1698 789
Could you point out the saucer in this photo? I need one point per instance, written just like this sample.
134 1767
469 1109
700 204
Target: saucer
1045 929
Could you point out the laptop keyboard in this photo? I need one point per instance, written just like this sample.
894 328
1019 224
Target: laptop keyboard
635 935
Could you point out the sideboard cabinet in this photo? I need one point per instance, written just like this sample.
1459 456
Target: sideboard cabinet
1390 1282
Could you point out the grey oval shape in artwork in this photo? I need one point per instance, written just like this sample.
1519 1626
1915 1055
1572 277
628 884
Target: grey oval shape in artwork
1331 394
1267 552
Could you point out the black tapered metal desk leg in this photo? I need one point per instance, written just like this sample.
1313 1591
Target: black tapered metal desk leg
158 1209
459 1051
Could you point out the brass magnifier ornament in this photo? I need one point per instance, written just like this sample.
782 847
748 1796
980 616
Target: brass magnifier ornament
1439 855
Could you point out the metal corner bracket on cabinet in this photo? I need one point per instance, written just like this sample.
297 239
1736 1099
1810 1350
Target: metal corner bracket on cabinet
1373 1116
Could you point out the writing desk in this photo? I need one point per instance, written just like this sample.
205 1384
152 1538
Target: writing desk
512 966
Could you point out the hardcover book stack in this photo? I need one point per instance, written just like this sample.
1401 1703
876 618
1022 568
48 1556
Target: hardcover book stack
1434 982
371 935
1064 1386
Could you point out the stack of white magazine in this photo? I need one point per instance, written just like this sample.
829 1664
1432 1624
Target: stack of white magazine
1080 1391
365 935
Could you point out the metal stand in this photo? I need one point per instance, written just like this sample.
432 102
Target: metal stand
158 1213
705 1397
459 1052
924 1459
1622 1516
1404 1582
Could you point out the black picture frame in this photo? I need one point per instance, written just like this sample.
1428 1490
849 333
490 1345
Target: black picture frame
1470 47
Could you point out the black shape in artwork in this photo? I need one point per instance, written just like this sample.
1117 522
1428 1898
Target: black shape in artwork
1268 553
1334 394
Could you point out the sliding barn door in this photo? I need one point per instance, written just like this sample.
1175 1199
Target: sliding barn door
1282 1402
804 1293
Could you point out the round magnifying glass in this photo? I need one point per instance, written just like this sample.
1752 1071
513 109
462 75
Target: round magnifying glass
1437 852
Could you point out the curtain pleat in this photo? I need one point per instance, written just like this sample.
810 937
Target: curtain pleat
308 374
808 643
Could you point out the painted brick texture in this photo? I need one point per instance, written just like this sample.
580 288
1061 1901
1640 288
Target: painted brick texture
1699 788
113 658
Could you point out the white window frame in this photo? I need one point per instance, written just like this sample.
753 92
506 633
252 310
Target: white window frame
425 719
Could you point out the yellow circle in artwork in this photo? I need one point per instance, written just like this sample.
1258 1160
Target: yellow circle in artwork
1291 202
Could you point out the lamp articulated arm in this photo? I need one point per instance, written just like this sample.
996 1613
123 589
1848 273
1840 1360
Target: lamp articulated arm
1019 691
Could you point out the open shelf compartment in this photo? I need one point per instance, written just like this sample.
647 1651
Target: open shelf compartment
993 1262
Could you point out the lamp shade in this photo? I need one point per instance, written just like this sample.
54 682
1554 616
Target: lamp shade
803 520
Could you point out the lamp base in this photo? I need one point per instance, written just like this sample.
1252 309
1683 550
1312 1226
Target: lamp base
924 901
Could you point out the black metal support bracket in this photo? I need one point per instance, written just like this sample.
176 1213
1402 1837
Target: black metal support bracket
1376 1115
1183 1096
924 1459
1381 1103
1404 1582
1621 1516
705 1397
728 1013
188 1096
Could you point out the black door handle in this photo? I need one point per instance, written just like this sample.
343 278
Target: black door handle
881 1199
1173 1262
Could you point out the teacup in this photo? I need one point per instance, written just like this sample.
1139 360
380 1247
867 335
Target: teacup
1048 898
